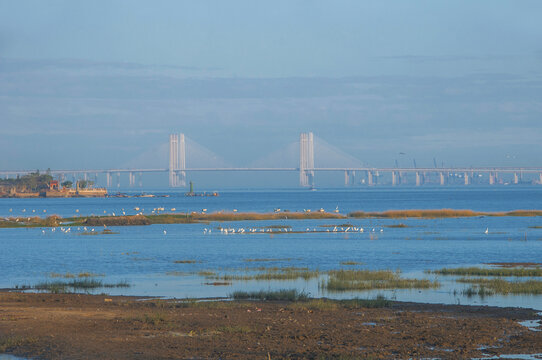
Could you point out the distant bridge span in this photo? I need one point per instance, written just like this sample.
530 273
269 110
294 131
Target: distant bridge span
177 169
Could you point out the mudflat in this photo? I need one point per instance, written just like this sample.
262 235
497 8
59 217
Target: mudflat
72 326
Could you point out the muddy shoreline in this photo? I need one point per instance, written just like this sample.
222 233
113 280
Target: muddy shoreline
74 326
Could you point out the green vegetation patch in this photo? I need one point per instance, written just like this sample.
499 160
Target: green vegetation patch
11 343
504 287
58 287
351 263
186 261
478 271
287 273
69 275
279 295
357 280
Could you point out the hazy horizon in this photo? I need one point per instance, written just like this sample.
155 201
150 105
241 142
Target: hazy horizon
103 84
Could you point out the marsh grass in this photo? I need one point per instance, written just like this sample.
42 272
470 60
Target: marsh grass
439 213
478 271
353 280
364 275
505 287
186 261
279 295
336 285
206 273
396 226
69 275
10 343
379 302
516 264
58 287
481 291
288 273
351 263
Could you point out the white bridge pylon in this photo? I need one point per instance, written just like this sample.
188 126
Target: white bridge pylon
306 159
177 160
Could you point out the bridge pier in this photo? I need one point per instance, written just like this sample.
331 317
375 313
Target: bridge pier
306 159
418 178
540 178
349 177
466 175
177 160
370 181
491 178
516 179
441 175
108 178
394 178
131 178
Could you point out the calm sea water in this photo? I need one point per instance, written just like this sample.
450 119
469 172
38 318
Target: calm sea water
144 255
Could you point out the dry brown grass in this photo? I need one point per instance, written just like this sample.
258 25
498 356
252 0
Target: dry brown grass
439 213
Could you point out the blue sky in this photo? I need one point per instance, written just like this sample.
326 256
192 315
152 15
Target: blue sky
102 83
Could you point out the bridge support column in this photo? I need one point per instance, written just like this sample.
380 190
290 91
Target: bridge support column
118 180
370 178
393 178
491 178
140 179
466 175
306 159
441 175
131 178
540 178
346 177
108 178
516 179
418 178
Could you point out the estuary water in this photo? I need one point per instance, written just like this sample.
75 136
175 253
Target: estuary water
168 260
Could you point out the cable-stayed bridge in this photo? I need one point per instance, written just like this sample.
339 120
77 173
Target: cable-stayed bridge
353 169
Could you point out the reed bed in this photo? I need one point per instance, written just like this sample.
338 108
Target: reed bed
69 275
439 213
481 291
271 274
76 285
186 261
364 275
478 271
356 280
351 263
504 287
279 295
336 285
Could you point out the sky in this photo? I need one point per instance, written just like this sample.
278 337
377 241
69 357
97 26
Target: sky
101 84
